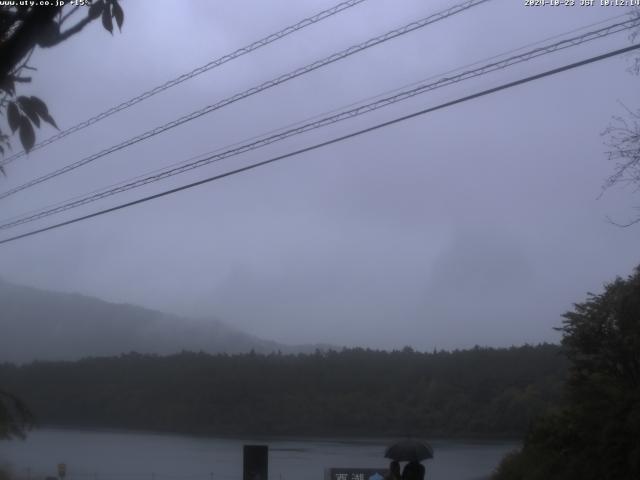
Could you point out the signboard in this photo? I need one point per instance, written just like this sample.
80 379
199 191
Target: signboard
255 462
356 473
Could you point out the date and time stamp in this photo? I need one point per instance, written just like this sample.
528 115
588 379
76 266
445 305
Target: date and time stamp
527 3
582 3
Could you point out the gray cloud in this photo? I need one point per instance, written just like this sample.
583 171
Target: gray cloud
477 224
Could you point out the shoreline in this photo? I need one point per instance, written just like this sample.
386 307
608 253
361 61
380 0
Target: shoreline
335 438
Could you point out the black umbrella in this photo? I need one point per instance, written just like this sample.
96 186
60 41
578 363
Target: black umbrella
409 451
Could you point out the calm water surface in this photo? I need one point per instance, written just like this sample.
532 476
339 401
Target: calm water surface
92 455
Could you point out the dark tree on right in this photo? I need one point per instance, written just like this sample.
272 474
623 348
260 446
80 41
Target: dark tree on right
596 433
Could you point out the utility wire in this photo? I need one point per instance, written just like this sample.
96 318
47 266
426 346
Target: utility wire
319 115
193 73
252 91
316 146
344 115
372 97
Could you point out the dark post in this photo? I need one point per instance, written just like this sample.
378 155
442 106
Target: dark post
255 462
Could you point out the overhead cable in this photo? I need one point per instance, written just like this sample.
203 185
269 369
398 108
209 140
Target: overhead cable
344 115
316 146
252 91
186 76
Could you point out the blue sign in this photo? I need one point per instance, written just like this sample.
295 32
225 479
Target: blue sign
358 473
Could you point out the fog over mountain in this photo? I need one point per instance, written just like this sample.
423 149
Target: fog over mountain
45 325
476 224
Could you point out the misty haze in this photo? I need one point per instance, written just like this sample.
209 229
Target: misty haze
350 240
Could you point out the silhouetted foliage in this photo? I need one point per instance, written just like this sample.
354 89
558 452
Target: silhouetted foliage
22 29
481 391
15 417
623 139
596 432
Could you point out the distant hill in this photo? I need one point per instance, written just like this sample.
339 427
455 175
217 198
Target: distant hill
44 325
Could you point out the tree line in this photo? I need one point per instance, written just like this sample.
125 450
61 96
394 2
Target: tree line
481 391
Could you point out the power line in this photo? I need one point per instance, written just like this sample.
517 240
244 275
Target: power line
210 158
332 141
397 89
343 115
320 115
252 91
486 59
193 73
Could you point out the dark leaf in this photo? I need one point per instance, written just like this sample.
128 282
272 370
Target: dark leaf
27 135
2 149
39 106
95 10
118 14
22 79
2 171
41 109
27 107
49 119
8 85
106 19
48 34
13 115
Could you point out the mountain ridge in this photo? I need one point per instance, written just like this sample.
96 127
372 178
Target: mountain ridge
70 326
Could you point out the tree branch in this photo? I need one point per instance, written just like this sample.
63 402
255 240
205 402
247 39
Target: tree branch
71 31
68 14
16 47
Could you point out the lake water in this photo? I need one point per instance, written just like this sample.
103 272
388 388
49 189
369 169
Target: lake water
100 455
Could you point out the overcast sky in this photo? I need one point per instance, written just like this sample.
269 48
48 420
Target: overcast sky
478 224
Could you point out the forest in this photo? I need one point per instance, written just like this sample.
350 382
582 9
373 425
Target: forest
476 392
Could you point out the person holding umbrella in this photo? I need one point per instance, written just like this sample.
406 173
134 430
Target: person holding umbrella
411 451
394 471
413 470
